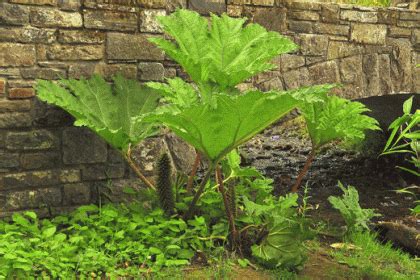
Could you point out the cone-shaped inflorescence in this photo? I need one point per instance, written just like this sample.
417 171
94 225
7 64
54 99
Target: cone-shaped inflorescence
231 197
164 185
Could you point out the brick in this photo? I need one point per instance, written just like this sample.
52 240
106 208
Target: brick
273 19
75 52
151 71
81 37
131 47
368 33
149 21
40 198
324 73
75 194
12 54
290 61
300 26
43 73
296 78
69 5
2 86
8 160
110 20
21 93
152 3
269 81
414 16
366 17
8 106
207 6
351 71
42 17
304 15
82 146
13 14
27 35
103 171
13 73
339 49
15 120
330 13
21 83
263 2
79 70
311 44
399 32
31 140
44 160
333 29
35 2
109 70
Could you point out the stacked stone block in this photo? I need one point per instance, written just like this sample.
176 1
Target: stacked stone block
49 165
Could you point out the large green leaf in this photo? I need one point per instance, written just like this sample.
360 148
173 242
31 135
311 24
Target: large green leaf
108 110
336 119
216 130
225 52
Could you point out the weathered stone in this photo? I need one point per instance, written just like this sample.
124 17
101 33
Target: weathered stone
263 2
270 82
151 71
149 21
82 146
53 64
110 20
371 74
103 171
330 13
43 73
369 17
414 16
234 10
368 33
239 2
351 70
69 175
170 72
401 65
45 115
290 61
13 73
16 54
15 120
31 140
313 44
8 160
27 35
333 29
304 15
399 32
44 197
388 16
30 179
8 106
300 26
44 160
69 5
385 82
324 73
409 24
146 153
35 2
21 93
75 52
131 47
2 86
273 19
416 83
41 52
207 6
75 194
81 36
416 39
152 3
339 49
109 70
296 78
81 70
13 14
310 6
21 83
55 18
171 6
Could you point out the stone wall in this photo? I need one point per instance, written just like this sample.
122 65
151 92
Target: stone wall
48 165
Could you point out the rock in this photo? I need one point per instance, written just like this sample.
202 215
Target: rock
42 17
339 49
313 44
75 52
273 19
21 93
31 140
44 160
324 73
27 35
35 2
43 73
333 29
2 86
32 199
8 106
8 160
79 36
151 71
80 145
69 5
12 54
38 178
401 235
76 194
330 13
290 61
15 120
370 69
207 6
13 14
368 33
296 78
149 21
108 71
103 171
131 47
300 26
303 15
359 16
110 20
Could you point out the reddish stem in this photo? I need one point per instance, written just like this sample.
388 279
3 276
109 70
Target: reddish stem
304 170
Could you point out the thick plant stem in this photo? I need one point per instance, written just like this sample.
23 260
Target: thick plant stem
304 170
228 209
193 172
191 209
136 170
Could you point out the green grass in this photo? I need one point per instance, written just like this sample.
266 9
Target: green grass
373 260
368 3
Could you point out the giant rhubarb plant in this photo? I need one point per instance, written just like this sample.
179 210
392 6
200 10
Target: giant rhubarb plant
105 109
218 56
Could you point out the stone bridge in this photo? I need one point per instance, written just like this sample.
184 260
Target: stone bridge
48 165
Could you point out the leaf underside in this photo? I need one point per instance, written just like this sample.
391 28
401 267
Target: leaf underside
106 109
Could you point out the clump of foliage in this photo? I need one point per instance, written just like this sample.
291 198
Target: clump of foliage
333 119
110 241
356 217
405 137
106 109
